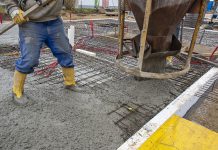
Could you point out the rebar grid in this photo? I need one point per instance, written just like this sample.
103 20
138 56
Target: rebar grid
100 27
8 62
107 26
98 44
90 71
210 90
93 71
132 116
183 82
205 37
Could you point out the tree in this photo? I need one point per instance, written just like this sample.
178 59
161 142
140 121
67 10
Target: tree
97 4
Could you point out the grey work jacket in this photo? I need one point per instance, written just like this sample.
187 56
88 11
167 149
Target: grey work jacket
46 13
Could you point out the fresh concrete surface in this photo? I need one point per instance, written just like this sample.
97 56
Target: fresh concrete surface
59 119
10 37
205 112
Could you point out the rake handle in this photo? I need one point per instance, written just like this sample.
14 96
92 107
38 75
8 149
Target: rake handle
26 14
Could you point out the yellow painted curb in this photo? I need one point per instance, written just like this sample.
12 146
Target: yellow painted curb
180 134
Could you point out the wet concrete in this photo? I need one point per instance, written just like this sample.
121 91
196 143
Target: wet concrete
205 112
10 37
59 119
55 119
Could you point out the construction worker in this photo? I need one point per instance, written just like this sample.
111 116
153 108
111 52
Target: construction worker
42 26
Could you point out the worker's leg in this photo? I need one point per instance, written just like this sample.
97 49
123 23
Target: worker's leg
31 39
62 50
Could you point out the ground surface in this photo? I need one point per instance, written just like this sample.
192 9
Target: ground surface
10 37
101 118
205 112
58 119
55 119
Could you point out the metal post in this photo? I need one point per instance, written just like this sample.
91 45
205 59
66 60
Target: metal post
181 30
197 28
202 36
121 26
144 32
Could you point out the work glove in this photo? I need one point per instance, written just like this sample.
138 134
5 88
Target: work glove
17 16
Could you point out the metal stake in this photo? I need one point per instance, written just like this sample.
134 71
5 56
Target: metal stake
121 27
144 32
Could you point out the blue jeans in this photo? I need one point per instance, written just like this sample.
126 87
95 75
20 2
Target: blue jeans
32 37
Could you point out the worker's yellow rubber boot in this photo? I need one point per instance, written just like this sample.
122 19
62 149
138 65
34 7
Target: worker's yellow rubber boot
69 76
69 80
18 87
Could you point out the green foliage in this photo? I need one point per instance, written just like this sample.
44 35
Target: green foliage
85 10
97 3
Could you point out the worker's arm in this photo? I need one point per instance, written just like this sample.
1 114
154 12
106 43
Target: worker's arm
11 5
14 11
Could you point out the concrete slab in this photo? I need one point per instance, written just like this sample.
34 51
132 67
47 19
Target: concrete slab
102 118
179 106
59 119
205 111
10 37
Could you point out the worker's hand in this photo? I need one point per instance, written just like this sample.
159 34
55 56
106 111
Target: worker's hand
17 16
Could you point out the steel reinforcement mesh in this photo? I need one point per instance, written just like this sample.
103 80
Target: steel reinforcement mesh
92 71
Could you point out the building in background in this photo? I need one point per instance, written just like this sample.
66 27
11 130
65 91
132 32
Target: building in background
105 3
101 3
210 5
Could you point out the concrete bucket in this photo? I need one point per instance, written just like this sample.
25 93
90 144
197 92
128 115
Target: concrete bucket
163 19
